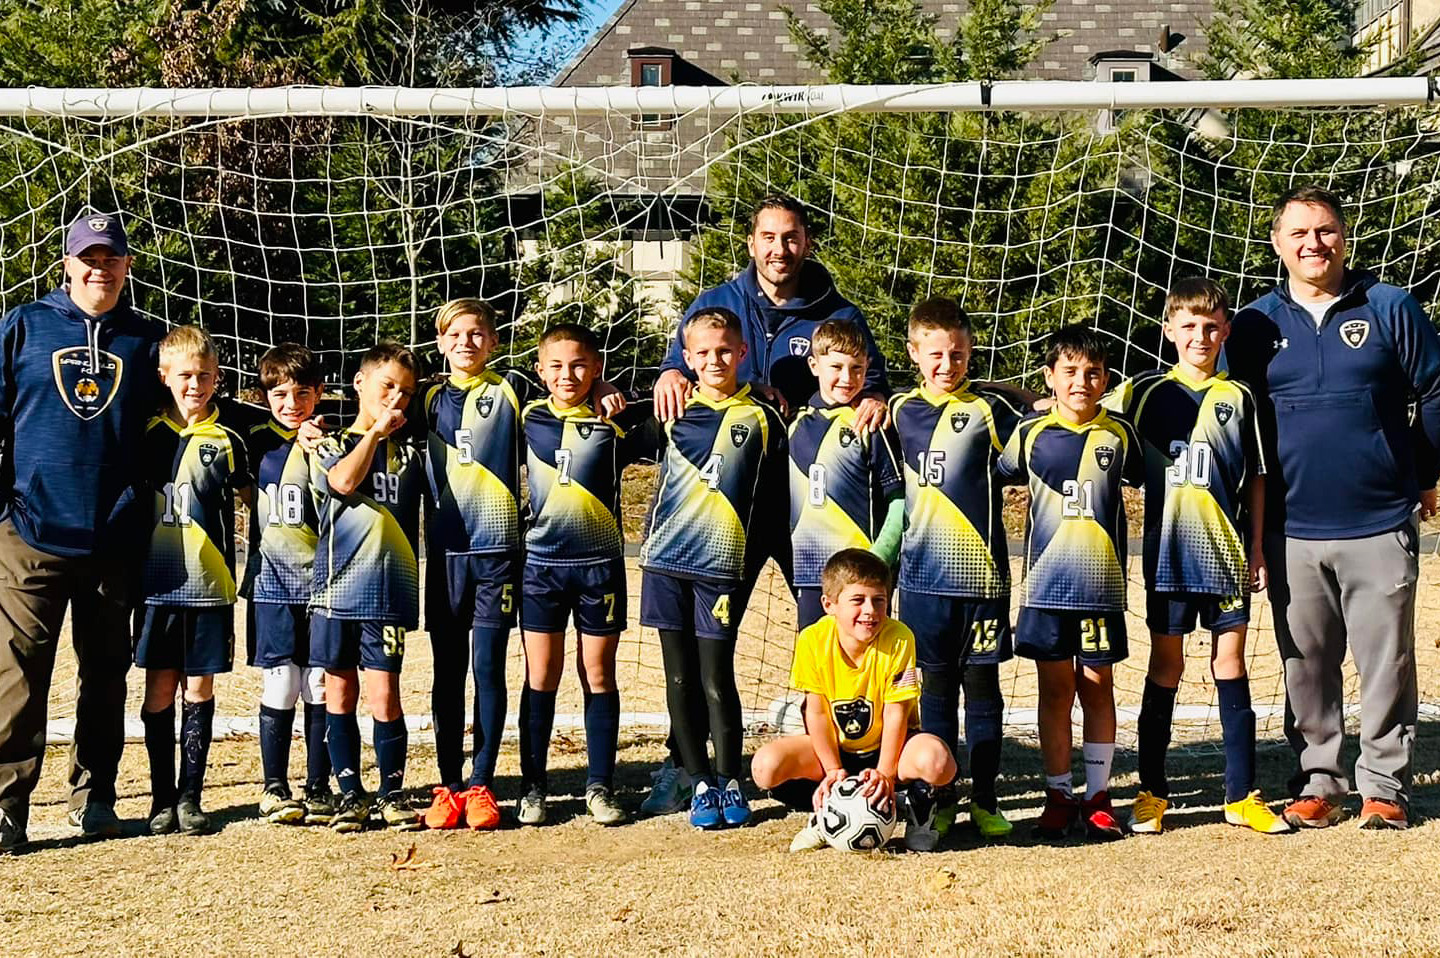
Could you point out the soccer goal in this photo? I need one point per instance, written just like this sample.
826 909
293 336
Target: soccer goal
335 217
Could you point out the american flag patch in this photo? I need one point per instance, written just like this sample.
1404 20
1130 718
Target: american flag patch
907 679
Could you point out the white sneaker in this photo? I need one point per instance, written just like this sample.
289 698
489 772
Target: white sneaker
601 804
671 792
808 838
530 808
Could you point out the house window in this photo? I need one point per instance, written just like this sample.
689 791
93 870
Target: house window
1123 76
651 72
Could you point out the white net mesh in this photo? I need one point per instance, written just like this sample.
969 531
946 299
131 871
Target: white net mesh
337 230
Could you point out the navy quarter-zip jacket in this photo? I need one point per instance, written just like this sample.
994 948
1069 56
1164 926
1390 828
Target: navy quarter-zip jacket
1336 397
75 394
778 337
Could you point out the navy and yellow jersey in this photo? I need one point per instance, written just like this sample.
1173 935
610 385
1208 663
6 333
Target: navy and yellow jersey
1202 448
194 472
721 458
573 459
1075 532
954 536
365 565
841 482
473 463
283 523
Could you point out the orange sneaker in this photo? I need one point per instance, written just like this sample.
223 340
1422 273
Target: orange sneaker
446 808
1312 811
481 812
1382 813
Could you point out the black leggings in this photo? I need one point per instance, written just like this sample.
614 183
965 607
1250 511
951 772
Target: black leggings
699 692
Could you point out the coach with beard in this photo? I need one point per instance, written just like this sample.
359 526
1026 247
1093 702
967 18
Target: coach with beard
78 383
780 298
1337 357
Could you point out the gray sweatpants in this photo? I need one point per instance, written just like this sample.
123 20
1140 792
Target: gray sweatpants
1328 593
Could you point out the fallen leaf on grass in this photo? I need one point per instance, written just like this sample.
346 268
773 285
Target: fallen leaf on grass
410 861
622 914
942 879
459 950
495 899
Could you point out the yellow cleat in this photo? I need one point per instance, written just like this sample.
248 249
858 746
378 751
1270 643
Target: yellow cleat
1147 813
1251 812
990 824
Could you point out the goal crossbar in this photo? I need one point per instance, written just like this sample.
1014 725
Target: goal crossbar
1010 95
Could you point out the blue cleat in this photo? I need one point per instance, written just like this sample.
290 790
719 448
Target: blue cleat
733 804
705 807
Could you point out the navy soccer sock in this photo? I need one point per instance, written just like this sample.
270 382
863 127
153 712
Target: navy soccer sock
602 734
391 741
940 709
160 746
984 716
197 722
488 652
447 703
342 733
1237 729
276 728
1157 708
317 754
537 719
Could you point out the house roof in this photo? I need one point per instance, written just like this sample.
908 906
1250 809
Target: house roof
749 40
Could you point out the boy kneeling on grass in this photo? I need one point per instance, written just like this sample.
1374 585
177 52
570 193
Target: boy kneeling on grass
856 667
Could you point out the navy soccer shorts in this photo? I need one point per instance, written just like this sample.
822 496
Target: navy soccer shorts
193 641
594 594
1053 635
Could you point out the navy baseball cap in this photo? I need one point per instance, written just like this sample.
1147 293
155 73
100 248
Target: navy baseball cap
96 229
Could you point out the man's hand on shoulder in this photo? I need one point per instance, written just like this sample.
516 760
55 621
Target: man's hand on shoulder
773 396
872 414
672 391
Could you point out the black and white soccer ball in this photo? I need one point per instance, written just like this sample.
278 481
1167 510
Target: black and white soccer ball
849 822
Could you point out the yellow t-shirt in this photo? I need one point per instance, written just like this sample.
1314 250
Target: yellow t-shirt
859 693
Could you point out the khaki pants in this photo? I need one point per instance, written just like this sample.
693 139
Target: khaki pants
35 588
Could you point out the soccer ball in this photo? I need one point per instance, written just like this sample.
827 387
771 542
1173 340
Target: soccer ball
850 823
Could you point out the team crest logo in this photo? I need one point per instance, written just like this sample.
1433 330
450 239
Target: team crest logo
1354 332
739 433
959 420
585 429
87 392
485 405
1104 456
853 718
847 437
98 224
208 451
799 346
1223 412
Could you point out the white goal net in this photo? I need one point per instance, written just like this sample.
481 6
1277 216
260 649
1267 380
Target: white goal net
336 217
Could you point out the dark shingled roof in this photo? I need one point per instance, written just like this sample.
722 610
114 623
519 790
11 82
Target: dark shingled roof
749 40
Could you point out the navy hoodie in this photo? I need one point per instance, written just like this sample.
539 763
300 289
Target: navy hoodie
1342 455
75 394
778 337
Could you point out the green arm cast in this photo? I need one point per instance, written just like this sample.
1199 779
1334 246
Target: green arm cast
887 543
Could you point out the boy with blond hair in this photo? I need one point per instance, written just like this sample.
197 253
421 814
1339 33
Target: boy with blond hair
856 667
845 485
1204 521
954 562
721 488
186 634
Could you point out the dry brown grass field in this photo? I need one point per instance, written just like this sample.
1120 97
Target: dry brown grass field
656 886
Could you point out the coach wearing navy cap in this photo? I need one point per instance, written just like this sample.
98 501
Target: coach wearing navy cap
77 385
